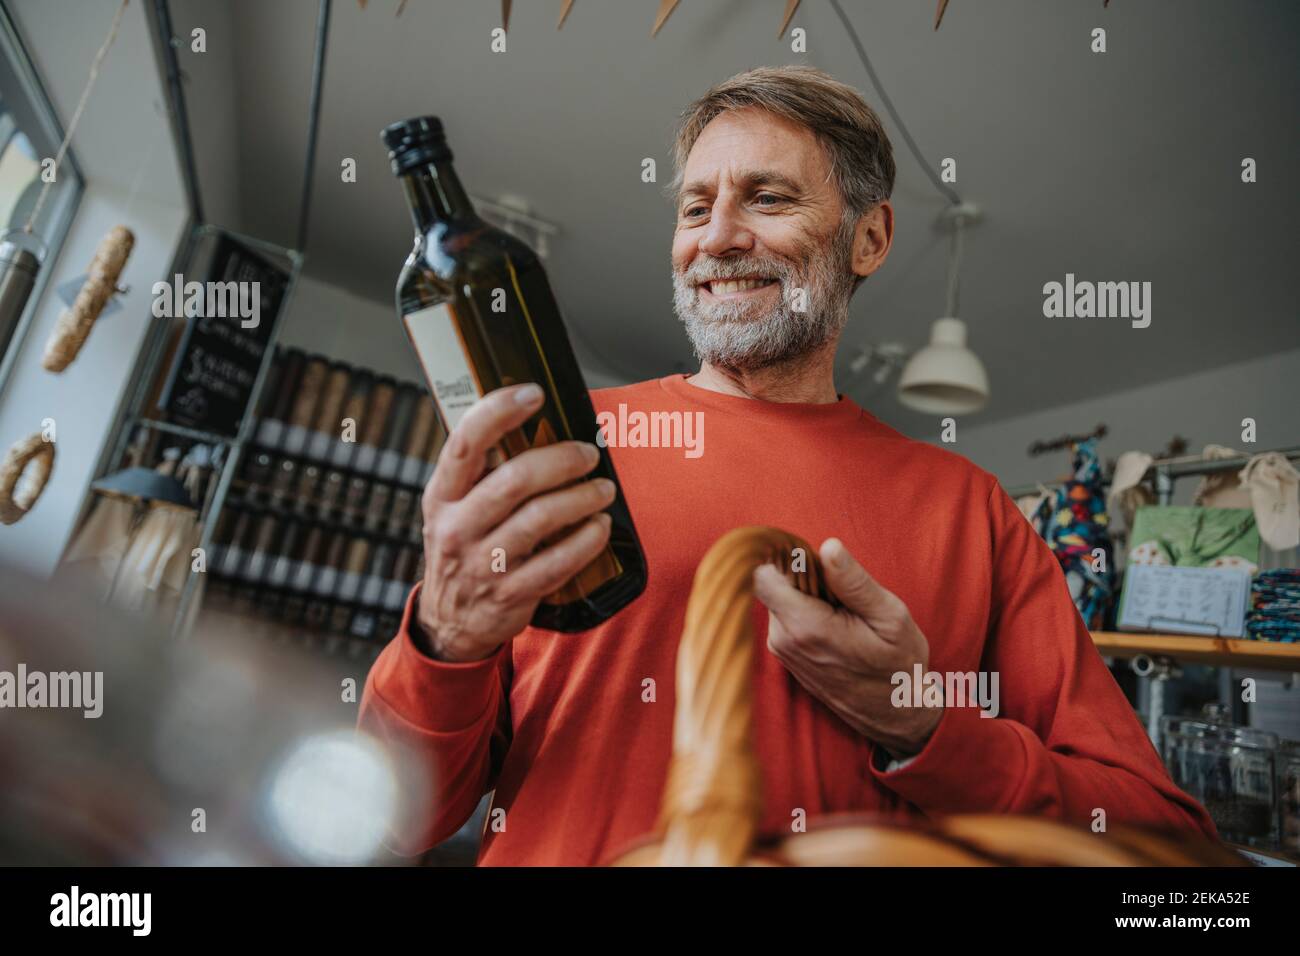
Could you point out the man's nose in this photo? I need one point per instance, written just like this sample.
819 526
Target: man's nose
727 232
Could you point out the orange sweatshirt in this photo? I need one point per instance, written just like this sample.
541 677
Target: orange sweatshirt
559 724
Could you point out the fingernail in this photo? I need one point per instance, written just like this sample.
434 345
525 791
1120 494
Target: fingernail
590 452
838 551
605 520
529 395
606 487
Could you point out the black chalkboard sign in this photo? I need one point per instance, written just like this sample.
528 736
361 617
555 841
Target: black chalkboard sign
211 379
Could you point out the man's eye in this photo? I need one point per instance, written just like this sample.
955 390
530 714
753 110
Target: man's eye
695 212
762 198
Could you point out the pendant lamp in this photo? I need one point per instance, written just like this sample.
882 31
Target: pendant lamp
946 377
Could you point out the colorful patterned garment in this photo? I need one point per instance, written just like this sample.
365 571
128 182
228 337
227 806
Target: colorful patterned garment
1275 606
1074 524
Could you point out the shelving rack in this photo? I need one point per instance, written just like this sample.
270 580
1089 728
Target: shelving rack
1168 470
138 416
1165 649
133 414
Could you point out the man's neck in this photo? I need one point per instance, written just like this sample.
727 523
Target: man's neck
809 379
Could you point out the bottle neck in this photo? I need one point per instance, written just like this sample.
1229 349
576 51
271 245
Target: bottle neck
436 195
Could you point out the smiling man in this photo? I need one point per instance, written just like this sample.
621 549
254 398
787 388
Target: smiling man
784 177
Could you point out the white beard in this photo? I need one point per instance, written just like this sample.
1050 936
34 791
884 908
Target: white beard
746 336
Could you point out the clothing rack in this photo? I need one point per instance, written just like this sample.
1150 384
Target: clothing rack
1167 470
1159 668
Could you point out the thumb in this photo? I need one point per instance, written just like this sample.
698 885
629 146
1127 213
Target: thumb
780 596
854 587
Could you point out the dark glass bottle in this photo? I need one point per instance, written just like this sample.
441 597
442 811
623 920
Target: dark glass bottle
479 312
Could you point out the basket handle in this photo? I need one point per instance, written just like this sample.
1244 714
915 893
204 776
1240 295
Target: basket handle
712 801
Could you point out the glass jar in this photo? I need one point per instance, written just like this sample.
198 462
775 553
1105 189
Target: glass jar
1230 770
1288 796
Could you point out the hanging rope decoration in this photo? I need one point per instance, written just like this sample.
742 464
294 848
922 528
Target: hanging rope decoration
101 282
35 451
76 115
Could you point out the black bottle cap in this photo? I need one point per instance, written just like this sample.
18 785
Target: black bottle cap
415 142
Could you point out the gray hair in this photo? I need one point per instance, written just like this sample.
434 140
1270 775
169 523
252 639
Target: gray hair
861 157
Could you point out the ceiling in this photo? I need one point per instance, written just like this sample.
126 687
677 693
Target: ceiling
1123 166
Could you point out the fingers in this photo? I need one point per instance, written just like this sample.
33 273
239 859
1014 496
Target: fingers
553 566
547 514
463 458
500 493
857 590
801 615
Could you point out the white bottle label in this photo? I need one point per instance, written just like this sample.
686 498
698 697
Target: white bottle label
411 469
319 446
372 589
365 460
389 460
295 439
442 356
395 595
270 432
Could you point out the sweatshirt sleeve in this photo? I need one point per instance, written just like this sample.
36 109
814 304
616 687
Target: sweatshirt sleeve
1065 742
448 724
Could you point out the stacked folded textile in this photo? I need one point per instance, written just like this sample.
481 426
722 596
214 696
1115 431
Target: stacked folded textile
1275 606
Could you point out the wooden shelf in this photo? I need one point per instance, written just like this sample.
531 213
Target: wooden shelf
1224 651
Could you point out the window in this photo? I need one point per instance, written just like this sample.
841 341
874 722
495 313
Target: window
30 132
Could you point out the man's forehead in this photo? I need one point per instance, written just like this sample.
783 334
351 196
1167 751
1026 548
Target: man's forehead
744 177
756 148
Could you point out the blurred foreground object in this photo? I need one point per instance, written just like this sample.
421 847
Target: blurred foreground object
712 805
119 746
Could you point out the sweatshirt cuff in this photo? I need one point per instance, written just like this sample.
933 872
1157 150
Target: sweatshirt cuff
970 764
437 696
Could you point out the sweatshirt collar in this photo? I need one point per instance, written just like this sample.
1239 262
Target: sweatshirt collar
843 410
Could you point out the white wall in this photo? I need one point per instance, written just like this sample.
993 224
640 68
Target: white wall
1206 408
84 399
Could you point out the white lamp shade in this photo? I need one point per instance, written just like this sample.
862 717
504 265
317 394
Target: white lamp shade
945 377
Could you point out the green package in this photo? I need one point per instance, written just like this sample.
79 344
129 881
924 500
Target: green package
1195 538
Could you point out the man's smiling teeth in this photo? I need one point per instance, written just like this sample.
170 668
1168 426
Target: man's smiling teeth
728 286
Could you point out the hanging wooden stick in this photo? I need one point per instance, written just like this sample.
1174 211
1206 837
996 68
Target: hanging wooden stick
1065 441
505 15
564 13
666 8
938 17
400 7
790 7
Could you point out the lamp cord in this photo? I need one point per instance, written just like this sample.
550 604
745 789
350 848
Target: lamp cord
954 266
944 190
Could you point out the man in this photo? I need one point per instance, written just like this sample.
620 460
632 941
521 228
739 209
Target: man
784 177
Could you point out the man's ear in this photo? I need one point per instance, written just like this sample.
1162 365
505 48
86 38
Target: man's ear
872 239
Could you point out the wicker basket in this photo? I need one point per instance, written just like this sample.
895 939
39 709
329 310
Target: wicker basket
712 804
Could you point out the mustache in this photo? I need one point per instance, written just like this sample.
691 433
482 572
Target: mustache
709 269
